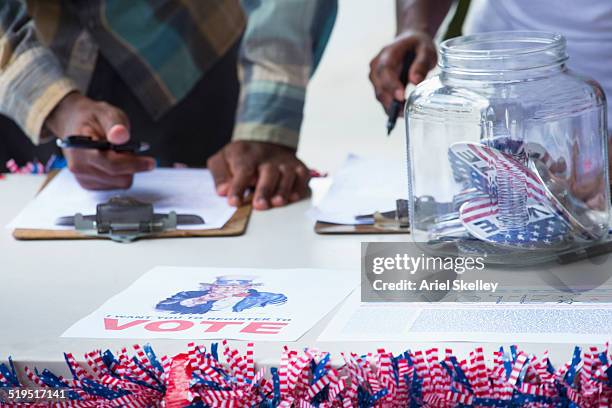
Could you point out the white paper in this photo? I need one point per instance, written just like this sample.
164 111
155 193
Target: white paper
190 303
362 187
186 191
427 322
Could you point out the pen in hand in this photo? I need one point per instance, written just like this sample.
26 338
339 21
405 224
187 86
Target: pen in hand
397 106
86 142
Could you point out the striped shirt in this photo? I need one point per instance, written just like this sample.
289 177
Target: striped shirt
162 48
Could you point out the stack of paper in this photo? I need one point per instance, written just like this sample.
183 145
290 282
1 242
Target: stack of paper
185 191
362 187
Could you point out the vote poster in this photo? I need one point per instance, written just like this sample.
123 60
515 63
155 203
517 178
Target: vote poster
219 303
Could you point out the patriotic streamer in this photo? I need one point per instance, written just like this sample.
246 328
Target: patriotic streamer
121 380
36 167
224 377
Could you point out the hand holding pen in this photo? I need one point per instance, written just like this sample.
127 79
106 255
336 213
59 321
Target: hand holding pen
101 156
407 59
398 104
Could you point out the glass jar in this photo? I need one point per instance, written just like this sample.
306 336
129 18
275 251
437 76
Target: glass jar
507 151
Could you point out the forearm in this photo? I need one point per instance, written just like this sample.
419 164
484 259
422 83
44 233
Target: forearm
32 81
280 50
421 15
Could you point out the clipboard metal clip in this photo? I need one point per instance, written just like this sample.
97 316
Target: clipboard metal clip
125 219
390 220
393 220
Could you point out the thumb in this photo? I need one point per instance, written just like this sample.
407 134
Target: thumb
118 134
115 124
424 60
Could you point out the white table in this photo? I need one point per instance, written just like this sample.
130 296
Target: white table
45 286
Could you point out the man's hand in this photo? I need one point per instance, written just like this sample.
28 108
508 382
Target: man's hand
96 170
277 175
386 67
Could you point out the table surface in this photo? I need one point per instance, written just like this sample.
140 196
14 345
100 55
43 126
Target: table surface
46 286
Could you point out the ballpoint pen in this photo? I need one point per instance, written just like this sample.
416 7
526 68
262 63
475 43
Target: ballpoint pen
86 142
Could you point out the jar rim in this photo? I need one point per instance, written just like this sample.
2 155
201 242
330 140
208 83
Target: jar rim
542 41
506 55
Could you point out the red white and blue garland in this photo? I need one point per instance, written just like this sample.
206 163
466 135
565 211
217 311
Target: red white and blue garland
223 377
35 166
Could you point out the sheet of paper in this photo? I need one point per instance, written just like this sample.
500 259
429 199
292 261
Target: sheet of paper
426 322
186 191
362 186
219 303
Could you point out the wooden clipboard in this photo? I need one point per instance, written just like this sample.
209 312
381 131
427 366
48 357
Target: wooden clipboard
326 228
236 225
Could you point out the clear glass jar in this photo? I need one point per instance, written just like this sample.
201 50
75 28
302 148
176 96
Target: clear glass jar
507 151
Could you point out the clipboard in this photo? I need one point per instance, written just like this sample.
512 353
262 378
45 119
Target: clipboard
236 226
326 228
388 222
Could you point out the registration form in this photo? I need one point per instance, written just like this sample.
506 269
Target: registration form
185 191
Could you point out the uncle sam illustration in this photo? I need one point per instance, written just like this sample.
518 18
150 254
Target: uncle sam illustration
235 293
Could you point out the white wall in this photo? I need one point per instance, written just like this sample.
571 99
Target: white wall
342 115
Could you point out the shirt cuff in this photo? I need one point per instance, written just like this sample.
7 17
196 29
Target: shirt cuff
271 111
33 85
43 107
260 132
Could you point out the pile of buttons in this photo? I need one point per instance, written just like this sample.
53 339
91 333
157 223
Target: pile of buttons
514 197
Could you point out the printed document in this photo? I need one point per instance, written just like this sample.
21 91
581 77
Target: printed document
477 322
362 187
185 191
219 303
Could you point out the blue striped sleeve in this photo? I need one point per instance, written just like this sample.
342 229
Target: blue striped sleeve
282 45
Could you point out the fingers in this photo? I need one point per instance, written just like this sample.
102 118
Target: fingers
424 61
114 123
300 188
90 176
281 184
266 186
106 170
220 172
386 67
387 86
118 164
100 181
92 130
277 175
384 79
285 186
241 181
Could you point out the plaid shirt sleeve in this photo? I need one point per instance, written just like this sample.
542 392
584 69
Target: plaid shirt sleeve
31 79
282 45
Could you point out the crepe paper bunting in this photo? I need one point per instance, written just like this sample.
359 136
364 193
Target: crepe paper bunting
36 167
222 376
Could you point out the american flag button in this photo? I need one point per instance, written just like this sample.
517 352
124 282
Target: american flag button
544 229
496 254
486 161
469 167
466 195
448 228
583 221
